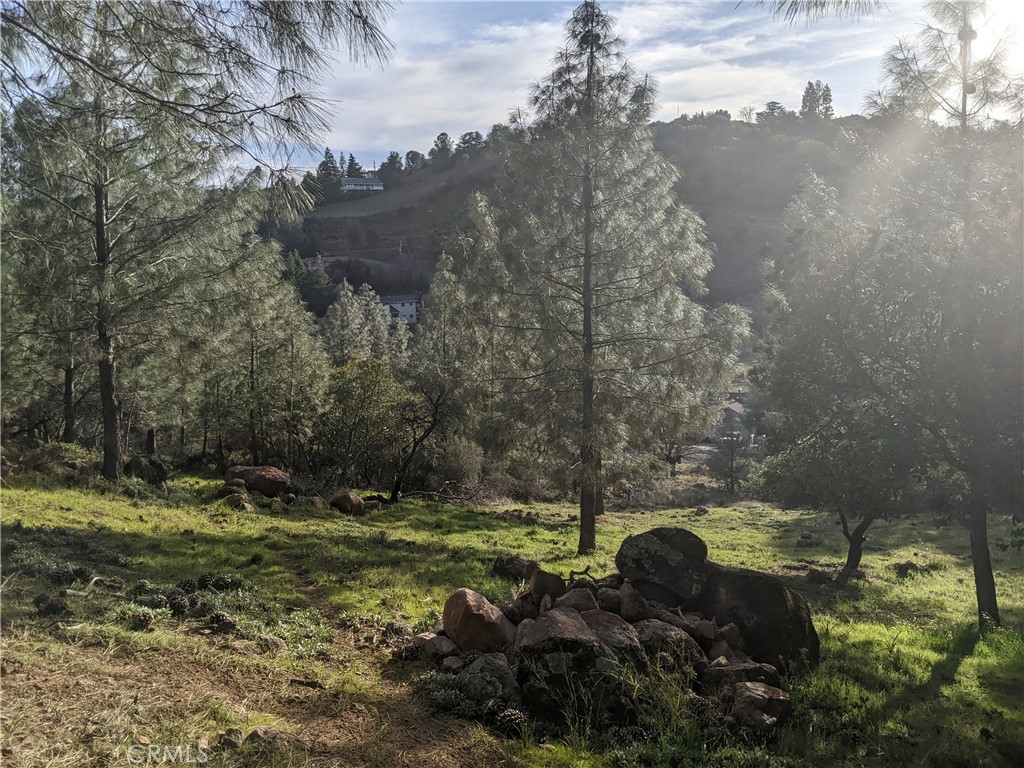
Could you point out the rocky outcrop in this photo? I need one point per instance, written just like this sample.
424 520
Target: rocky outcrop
473 623
724 633
270 481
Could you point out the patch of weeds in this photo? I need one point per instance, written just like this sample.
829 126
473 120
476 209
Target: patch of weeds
427 622
305 631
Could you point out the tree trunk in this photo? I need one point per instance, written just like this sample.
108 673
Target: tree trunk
150 442
856 550
981 559
70 433
254 446
108 402
105 339
590 459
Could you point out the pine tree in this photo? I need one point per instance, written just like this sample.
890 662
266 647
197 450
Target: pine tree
442 152
810 104
825 110
134 168
588 264
354 170
903 296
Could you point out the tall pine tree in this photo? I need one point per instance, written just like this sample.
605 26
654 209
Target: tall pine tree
587 265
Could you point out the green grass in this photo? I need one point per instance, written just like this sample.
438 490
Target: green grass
904 679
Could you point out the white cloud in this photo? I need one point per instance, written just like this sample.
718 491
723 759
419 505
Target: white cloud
461 66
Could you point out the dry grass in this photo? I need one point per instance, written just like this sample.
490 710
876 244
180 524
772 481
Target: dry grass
80 705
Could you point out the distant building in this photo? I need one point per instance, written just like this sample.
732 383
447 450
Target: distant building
369 184
403 307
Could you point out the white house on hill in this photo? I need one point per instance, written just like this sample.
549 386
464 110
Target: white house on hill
369 184
403 307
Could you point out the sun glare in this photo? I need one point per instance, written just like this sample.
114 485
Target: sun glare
1003 20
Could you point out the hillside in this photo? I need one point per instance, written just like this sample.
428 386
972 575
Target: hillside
393 239
739 177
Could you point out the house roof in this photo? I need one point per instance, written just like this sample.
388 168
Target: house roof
399 298
736 408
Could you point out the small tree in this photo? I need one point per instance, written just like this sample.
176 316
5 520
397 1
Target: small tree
728 463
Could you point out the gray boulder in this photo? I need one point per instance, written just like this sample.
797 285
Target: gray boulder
664 564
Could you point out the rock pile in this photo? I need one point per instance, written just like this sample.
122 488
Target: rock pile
725 633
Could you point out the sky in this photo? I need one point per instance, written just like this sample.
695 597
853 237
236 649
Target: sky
465 65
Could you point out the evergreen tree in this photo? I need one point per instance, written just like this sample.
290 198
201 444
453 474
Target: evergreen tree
328 177
414 160
442 152
588 265
391 169
354 170
134 168
810 104
470 143
825 110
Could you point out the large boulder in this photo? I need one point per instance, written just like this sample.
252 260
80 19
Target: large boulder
348 503
270 481
149 469
775 621
665 564
476 624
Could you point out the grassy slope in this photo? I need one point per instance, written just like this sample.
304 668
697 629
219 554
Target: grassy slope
904 679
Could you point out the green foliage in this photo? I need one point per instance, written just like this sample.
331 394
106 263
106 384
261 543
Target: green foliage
599 348
442 153
356 435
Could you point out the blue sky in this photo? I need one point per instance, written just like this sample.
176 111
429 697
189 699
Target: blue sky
463 66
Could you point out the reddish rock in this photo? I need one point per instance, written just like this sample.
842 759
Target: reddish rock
476 624
614 631
348 503
581 599
546 583
270 481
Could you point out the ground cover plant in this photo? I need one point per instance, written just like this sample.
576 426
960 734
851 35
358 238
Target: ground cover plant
905 678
